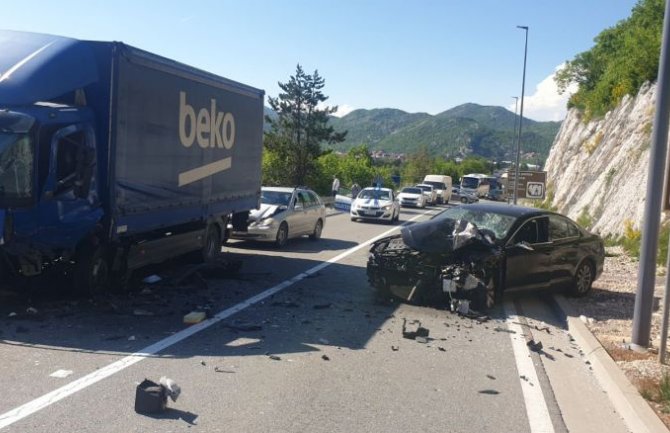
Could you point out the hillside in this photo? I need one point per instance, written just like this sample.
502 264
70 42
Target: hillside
603 162
469 129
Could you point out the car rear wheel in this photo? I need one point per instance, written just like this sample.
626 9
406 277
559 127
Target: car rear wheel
583 279
464 200
318 228
282 235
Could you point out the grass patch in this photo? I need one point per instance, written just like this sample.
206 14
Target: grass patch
631 240
585 219
591 145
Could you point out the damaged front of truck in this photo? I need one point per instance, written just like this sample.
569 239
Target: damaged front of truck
48 197
438 262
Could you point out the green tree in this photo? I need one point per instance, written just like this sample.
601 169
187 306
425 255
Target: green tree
301 126
623 58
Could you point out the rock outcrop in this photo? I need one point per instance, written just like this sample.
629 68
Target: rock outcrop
597 171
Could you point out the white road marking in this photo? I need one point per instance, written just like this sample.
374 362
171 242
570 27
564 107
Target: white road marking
16 414
536 406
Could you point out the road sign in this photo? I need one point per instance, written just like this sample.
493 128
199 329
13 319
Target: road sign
532 184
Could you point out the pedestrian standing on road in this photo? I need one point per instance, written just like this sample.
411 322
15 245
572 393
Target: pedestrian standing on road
355 189
336 185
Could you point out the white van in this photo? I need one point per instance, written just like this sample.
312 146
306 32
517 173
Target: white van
442 185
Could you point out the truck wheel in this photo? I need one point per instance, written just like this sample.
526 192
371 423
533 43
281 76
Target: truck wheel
317 231
212 248
91 274
282 235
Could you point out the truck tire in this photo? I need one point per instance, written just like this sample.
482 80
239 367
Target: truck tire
282 235
317 231
91 273
211 249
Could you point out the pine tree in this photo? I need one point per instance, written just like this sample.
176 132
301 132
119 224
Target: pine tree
301 126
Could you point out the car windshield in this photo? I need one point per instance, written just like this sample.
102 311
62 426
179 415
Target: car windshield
470 182
17 156
497 223
423 187
277 198
411 190
374 194
438 185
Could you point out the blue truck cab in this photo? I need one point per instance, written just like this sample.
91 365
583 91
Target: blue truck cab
112 158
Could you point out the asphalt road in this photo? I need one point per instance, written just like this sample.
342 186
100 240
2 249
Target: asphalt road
297 344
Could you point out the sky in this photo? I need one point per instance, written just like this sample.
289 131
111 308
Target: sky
414 55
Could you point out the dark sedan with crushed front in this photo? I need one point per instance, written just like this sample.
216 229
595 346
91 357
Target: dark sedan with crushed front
477 251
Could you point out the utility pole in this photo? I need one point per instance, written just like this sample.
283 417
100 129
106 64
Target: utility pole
523 91
654 201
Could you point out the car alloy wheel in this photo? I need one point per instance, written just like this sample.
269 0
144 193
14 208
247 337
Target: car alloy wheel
583 279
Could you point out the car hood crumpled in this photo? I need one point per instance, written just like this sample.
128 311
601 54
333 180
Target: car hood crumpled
443 235
265 211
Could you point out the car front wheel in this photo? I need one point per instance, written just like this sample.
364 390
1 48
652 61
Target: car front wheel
464 200
583 279
282 235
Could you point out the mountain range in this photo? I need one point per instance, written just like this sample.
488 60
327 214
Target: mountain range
465 130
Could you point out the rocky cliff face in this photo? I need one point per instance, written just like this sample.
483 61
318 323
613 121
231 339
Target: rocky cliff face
598 170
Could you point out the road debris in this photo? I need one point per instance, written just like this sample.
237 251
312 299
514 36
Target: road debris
244 327
221 370
151 397
194 317
491 377
441 349
543 328
12 314
285 304
489 392
61 374
325 357
152 279
395 348
535 346
509 331
419 331
171 388
274 357
422 340
140 312
32 311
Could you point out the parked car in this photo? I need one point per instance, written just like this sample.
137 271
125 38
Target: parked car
377 204
458 194
285 213
412 196
429 191
477 252
495 195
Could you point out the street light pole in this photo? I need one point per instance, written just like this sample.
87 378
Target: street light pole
523 91
516 104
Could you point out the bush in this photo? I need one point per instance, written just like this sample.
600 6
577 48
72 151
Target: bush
585 219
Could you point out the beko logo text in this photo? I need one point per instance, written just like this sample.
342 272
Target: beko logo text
208 128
